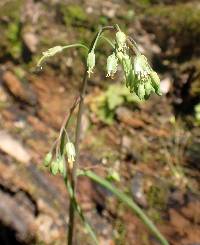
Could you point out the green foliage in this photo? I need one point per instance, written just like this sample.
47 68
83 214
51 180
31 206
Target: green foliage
182 20
145 2
105 104
127 201
13 37
10 31
73 14
156 197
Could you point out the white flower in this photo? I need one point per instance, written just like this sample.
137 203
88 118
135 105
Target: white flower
121 40
141 67
91 62
71 153
112 63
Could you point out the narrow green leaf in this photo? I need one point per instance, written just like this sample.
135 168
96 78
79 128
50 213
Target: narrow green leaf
128 201
80 212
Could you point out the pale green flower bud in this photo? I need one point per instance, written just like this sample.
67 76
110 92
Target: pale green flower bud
141 67
71 153
61 165
54 167
91 62
49 53
120 56
141 91
121 40
52 51
155 81
148 89
128 70
127 64
132 82
47 159
112 63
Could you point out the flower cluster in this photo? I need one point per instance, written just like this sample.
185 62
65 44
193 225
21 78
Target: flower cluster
58 165
140 78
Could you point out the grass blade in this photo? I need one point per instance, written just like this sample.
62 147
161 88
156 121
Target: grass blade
128 201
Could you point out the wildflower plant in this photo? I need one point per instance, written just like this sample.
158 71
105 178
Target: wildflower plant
141 80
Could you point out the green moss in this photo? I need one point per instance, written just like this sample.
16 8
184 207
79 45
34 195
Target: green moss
11 41
73 14
14 45
157 197
11 9
144 2
180 19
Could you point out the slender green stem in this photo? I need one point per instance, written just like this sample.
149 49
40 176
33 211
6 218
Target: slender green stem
108 41
128 201
76 45
77 137
133 45
75 166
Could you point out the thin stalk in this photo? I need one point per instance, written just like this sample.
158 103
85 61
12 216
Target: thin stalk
133 45
75 166
77 138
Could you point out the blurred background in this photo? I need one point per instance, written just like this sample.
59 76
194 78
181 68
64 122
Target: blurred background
153 146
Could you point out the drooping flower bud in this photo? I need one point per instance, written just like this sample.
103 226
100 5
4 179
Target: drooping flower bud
52 51
112 63
127 64
141 91
49 53
155 81
61 165
71 153
141 67
148 88
120 55
128 70
54 167
91 62
47 159
121 40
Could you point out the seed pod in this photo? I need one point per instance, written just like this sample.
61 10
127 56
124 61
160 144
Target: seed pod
141 91
47 159
54 167
121 40
91 62
112 63
155 81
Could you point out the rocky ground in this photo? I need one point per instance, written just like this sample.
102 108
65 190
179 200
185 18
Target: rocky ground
154 146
